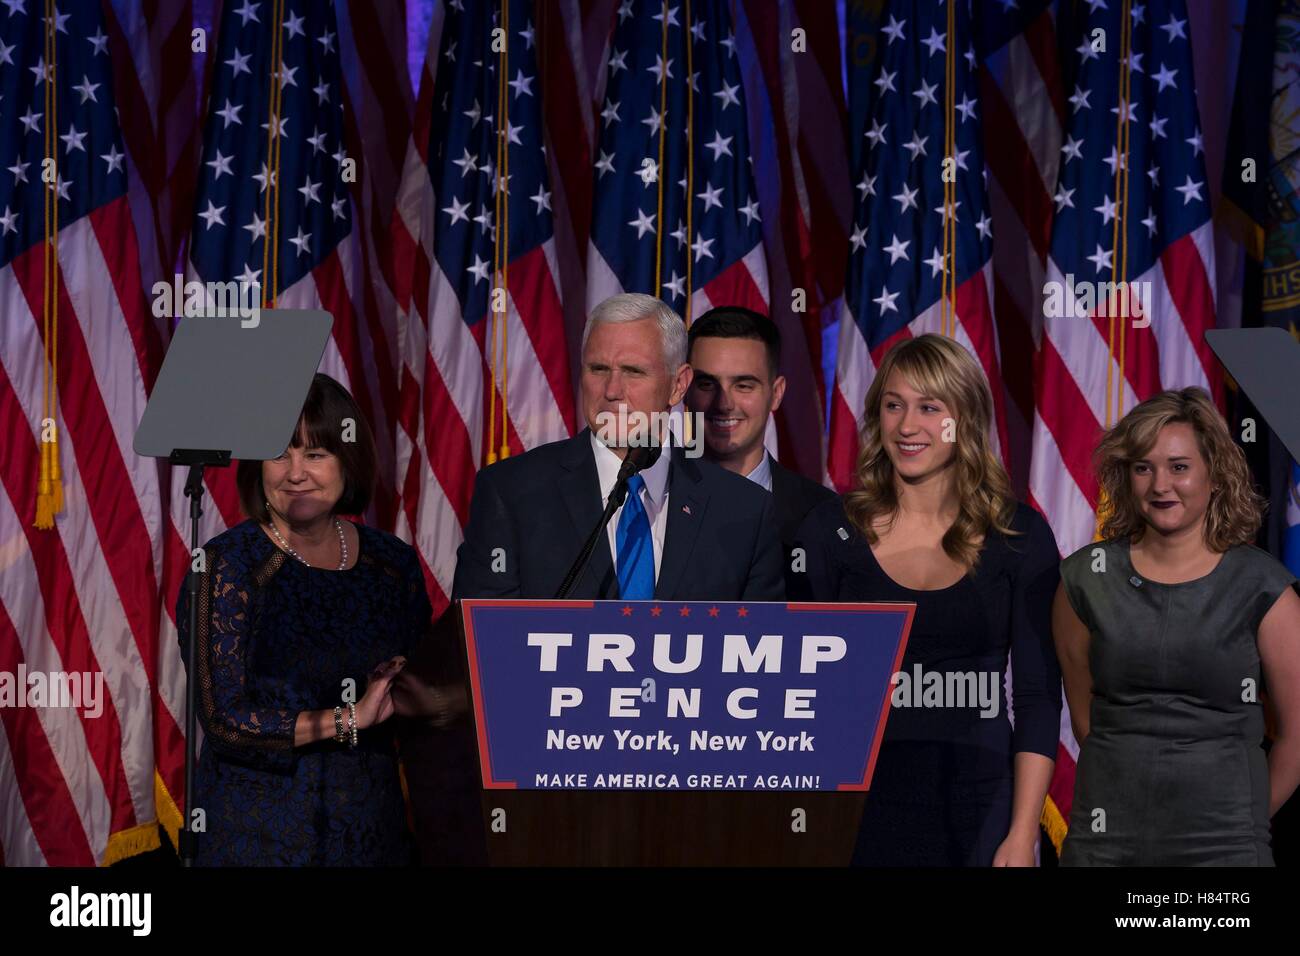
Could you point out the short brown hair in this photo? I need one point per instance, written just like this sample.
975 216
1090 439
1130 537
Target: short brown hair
326 407
1235 511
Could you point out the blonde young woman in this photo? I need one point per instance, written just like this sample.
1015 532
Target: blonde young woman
1168 630
932 520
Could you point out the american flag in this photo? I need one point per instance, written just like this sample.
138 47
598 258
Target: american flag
675 215
1132 204
900 262
82 596
475 231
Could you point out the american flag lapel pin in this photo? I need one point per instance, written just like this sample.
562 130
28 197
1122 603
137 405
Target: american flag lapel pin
686 509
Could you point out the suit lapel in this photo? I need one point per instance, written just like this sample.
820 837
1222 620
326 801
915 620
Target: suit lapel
579 487
687 501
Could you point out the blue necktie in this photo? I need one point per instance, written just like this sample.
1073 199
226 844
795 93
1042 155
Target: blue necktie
636 557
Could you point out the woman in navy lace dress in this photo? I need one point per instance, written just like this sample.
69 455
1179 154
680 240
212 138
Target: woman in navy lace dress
297 607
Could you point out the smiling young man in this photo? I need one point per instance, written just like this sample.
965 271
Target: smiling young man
736 356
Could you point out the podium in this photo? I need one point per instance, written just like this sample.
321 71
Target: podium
660 733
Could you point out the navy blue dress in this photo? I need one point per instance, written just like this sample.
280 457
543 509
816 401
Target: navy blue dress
941 794
275 638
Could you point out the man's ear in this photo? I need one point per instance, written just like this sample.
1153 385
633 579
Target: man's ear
681 382
778 392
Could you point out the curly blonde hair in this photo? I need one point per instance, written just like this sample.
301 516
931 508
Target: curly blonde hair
937 365
1235 511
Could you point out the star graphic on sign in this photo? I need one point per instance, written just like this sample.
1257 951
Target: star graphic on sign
220 165
684 611
898 249
256 228
713 612
728 95
457 210
239 64
212 215
643 223
742 612
656 611
87 90
886 301
627 610
302 241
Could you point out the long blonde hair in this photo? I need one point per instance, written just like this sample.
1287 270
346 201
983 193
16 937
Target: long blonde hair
936 365
1235 510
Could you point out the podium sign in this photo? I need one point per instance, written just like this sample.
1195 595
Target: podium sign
659 695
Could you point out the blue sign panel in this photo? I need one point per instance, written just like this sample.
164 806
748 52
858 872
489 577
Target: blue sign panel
631 695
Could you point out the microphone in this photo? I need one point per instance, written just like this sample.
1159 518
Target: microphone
638 458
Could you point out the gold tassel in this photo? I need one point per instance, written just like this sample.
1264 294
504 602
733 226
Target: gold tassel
56 478
44 493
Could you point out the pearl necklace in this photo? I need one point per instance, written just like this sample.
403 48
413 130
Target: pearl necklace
343 545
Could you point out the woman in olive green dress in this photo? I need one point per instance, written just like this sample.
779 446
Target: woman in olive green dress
1167 630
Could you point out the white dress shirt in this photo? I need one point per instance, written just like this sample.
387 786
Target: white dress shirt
654 497
762 473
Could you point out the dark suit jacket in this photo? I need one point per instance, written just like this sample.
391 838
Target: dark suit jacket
720 543
795 496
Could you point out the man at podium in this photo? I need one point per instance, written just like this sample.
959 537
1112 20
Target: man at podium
688 530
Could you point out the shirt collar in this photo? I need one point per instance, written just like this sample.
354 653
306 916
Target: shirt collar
762 473
608 465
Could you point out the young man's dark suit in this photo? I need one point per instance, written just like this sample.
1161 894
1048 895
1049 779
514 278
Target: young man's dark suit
795 496
720 544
